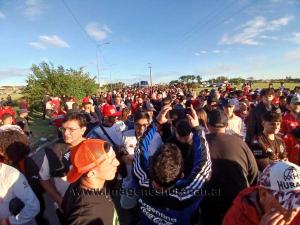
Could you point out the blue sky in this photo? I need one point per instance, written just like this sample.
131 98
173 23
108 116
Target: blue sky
259 38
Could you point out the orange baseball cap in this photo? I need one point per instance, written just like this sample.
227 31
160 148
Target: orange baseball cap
85 157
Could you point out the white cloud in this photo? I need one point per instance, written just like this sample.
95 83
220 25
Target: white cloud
253 29
201 52
37 45
45 41
291 2
54 41
269 37
295 38
219 69
293 55
216 51
14 72
97 32
2 16
33 8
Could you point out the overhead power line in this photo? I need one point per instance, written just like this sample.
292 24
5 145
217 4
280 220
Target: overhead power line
218 22
77 22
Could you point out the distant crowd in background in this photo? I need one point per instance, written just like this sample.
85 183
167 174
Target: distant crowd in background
157 155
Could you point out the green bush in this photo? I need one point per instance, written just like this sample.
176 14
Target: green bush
58 81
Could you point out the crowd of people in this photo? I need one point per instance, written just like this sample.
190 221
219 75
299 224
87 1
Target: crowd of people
163 155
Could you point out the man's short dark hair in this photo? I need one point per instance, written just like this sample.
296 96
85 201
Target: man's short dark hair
14 145
80 117
272 116
183 128
166 101
167 165
267 91
141 115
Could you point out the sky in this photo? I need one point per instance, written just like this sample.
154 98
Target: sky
119 40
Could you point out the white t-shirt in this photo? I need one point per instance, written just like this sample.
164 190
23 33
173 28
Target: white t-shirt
61 184
236 125
14 184
69 105
49 106
130 141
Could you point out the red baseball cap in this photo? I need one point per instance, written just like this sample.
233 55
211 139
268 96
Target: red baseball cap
110 110
85 157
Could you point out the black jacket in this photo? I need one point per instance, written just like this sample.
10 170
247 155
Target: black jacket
233 169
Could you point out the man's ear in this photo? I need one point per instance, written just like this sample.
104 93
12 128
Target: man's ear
83 129
91 173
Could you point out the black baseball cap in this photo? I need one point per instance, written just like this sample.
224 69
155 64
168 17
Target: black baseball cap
217 118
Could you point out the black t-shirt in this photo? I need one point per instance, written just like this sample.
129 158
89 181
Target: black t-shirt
87 206
266 150
233 169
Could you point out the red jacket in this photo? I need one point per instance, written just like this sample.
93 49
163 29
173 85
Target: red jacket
57 118
86 99
292 148
55 104
289 122
244 213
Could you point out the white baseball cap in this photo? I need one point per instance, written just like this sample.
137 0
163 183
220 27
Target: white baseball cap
282 178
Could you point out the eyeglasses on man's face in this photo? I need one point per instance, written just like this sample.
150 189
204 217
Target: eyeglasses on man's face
69 129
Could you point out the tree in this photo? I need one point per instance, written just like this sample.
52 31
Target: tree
172 82
58 81
113 86
221 79
187 79
237 80
199 79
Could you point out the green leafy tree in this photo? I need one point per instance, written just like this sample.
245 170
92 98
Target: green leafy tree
199 79
113 86
237 80
172 82
221 79
45 78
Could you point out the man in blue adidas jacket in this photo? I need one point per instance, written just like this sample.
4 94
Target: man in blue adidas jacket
166 195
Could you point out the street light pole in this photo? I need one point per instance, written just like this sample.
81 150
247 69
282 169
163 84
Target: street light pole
150 67
97 55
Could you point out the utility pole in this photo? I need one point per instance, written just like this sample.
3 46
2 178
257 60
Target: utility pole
110 83
97 55
150 67
98 76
